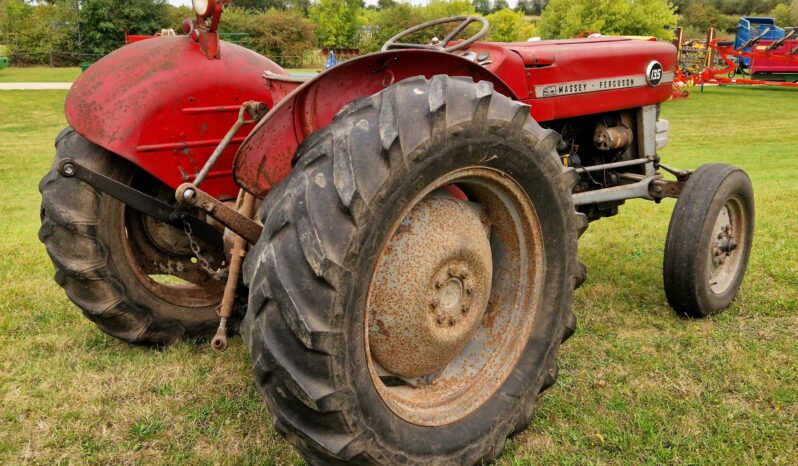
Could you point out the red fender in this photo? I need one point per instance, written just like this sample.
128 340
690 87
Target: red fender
164 106
265 156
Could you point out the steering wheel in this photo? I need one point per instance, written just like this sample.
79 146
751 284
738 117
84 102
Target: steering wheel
392 43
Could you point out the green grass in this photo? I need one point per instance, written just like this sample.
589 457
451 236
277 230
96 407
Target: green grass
305 70
40 74
637 384
67 75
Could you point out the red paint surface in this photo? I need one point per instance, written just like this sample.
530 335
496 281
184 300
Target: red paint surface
265 157
164 106
779 60
515 69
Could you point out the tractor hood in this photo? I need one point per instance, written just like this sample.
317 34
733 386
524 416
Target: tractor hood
572 77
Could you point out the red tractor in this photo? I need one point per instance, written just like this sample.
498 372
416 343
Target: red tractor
395 238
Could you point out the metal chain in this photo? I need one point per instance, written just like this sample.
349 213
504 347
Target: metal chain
218 274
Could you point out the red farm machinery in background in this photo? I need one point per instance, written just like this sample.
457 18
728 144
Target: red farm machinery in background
762 54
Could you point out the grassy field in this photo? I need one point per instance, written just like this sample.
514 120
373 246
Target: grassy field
637 384
39 74
67 75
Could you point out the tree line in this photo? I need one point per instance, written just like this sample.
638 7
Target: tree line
289 30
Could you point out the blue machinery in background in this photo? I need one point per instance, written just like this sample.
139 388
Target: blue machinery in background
751 27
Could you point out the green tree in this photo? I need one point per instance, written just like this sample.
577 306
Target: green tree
568 18
482 7
782 15
384 24
103 22
261 5
529 7
499 5
701 17
442 8
178 14
45 33
794 13
383 4
285 36
337 22
509 26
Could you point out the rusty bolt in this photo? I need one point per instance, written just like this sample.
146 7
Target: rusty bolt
68 169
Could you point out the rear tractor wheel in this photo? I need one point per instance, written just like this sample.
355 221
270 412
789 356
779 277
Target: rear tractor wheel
414 279
133 276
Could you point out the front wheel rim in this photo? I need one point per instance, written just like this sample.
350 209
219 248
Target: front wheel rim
490 321
727 241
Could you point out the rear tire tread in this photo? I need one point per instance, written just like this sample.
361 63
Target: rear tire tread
308 254
71 215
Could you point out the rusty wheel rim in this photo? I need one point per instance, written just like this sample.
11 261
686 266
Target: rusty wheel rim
448 313
151 251
728 234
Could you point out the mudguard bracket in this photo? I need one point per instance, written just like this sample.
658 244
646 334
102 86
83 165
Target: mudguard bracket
141 202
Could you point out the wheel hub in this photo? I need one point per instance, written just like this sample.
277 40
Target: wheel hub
724 242
166 237
431 287
725 238
452 295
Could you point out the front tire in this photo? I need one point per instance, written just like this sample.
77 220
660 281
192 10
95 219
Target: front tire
709 241
417 146
109 259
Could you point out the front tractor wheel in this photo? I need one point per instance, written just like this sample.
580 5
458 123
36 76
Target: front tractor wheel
414 279
133 276
709 240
